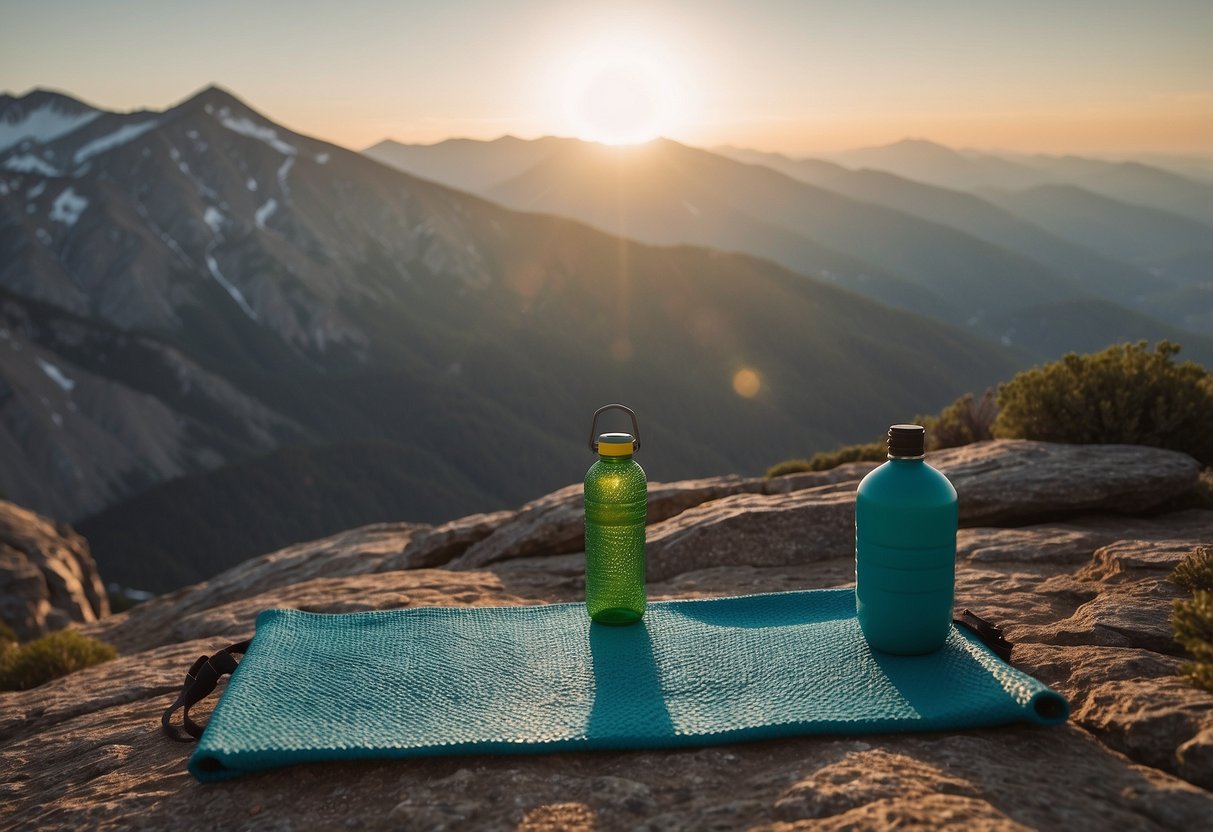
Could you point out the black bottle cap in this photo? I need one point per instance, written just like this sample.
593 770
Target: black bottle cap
907 441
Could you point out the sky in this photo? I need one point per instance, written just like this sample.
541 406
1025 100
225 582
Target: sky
799 77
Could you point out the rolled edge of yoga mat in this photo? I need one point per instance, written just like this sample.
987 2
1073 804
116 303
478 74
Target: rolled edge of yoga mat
1048 707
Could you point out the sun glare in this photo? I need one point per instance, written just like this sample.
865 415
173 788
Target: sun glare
619 94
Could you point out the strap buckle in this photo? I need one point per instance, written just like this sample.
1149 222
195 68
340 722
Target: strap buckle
200 680
990 635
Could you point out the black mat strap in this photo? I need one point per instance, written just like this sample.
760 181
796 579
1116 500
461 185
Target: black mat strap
990 635
200 681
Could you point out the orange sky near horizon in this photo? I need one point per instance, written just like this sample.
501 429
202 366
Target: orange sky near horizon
1163 130
793 76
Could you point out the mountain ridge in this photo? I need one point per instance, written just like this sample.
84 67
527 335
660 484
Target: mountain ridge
883 263
882 241
1128 180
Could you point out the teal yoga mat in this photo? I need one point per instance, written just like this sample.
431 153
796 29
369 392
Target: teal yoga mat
514 680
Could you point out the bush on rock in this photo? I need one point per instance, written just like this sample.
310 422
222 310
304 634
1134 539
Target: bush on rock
56 654
1126 394
1192 619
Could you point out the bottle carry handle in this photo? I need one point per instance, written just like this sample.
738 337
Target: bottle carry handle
594 426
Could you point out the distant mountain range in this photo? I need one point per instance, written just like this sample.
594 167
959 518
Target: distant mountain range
1128 181
975 259
218 336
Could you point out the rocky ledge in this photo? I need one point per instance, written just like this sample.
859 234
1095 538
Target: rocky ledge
1068 547
48 578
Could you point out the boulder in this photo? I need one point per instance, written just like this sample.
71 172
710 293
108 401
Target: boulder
48 578
555 524
436 546
754 529
1073 541
24 604
1006 481
1015 480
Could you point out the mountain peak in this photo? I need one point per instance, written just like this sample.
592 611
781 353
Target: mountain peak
40 116
913 141
218 100
41 97
921 148
214 95
908 151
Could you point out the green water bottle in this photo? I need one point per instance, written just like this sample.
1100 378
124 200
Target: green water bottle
616 502
905 550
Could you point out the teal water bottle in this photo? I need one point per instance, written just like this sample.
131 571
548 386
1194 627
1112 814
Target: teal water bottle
616 502
905 550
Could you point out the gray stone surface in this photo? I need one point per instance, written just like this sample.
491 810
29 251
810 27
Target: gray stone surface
1013 480
1083 596
438 545
1073 541
553 525
771 530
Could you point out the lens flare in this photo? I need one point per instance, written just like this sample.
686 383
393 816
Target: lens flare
746 383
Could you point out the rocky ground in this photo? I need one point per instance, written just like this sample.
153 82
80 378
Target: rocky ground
1067 547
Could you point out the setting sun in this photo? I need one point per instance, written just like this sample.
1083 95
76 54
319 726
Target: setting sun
619 94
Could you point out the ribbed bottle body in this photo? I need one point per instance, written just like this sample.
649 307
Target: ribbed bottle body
616 504
905 557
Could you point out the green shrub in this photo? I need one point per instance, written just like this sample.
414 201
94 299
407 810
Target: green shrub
1195 571
825 460
963 422
49 657
8 653
6 633
1124 394
1201 675
1192 619
788 466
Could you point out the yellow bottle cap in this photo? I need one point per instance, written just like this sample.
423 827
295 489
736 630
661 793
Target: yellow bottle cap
615 444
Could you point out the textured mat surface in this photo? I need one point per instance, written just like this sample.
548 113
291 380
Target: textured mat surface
511 680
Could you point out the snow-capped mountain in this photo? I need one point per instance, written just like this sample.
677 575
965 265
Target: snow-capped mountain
178 201
33 120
